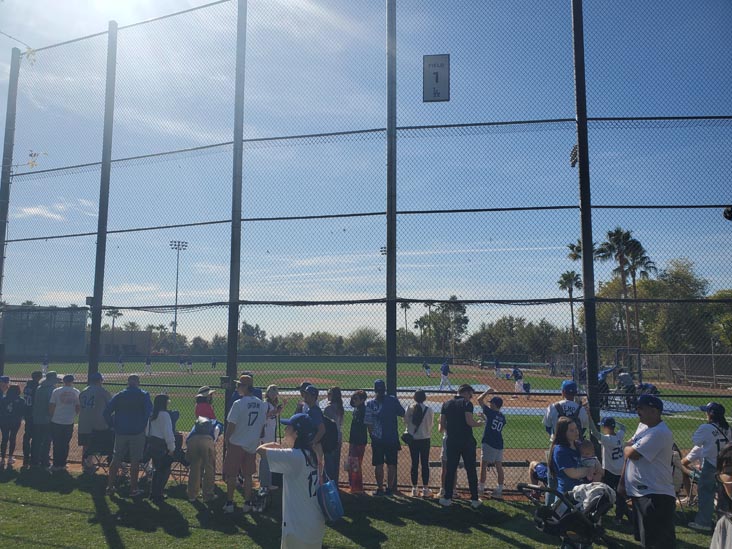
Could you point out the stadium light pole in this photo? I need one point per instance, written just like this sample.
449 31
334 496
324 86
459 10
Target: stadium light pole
178 246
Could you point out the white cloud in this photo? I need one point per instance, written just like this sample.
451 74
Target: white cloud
37 211
128 288
61 298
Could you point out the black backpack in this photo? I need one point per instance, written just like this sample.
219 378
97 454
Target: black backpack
329 442
574 416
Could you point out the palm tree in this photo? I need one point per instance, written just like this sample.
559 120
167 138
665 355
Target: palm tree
575 250
568 282
405 307
114 314
420 324
619 246
639 266
429 304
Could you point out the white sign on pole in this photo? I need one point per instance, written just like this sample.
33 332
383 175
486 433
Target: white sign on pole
436 78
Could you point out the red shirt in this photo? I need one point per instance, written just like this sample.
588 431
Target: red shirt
204 409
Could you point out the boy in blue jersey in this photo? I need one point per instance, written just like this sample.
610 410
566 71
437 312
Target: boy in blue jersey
492 443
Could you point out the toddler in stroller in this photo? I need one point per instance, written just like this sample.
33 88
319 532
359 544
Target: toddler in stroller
575 517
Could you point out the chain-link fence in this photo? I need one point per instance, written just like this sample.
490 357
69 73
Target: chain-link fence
487 251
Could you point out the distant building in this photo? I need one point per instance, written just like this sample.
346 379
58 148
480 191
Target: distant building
31 332
124 343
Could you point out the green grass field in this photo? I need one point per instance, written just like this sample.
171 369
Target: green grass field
39 510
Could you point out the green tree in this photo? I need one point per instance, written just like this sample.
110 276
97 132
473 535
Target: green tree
114 314
450 323
404 306
131 327
365 341
569 281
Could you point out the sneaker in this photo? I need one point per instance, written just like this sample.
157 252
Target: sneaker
481 487
414 491
228 508
11 460
445 502
497 493
699 527
137 493
475 503
426 492
247 507
379 492
388 493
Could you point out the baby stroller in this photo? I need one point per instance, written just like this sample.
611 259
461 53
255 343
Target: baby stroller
575 517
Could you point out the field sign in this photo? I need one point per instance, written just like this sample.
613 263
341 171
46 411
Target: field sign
436 78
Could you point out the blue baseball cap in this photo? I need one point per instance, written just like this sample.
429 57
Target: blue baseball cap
650 401
95 376
380 386
498 401
569 387
302 424
311 390
714 408
68 378
608 422
4 379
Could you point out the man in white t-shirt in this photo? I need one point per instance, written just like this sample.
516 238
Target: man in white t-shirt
245 423
63 409
648 477
303 525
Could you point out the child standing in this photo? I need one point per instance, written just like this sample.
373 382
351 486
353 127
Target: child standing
492 443
357 442
612 442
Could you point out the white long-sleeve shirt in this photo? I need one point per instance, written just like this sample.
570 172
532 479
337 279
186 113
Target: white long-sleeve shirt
162 427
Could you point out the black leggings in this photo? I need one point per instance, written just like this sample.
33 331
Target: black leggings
419 451
9 433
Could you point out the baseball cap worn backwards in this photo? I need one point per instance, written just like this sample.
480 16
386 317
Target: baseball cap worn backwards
379 386
608 422
569 387
650 401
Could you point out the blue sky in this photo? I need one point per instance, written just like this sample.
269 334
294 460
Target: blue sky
319 66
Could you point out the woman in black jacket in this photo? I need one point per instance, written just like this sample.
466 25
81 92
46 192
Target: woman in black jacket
12 409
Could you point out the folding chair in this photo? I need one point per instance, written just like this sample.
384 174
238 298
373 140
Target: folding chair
100 450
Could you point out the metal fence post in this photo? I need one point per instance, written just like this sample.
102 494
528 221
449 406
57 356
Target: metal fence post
232 343
588 268
98 299
391 196
5 174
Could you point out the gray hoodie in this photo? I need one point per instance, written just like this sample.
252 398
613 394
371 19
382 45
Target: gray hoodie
42 399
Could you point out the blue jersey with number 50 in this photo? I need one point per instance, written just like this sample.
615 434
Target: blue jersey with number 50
494 424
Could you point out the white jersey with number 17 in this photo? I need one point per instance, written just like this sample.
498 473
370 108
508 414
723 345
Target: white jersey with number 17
249 414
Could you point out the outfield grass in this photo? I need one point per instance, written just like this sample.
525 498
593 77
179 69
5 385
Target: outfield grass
38 510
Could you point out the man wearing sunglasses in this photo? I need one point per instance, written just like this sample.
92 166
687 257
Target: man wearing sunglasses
649 477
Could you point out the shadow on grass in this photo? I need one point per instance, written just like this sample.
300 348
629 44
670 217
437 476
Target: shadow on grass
41 480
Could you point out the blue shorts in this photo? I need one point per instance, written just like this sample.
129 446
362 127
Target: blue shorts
541 472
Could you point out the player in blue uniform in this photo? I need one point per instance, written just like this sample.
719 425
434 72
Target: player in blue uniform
492 443
445 376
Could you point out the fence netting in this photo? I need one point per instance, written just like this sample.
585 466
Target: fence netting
489 277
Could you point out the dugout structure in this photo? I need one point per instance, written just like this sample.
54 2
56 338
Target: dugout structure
30 333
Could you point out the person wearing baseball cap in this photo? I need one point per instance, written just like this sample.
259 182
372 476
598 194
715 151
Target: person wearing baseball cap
41 444
492 442
457 420
204 403
4 384
93 429
303 525
566 407
648 477
64 406
245 422
301 407
709 437
612 443
381 420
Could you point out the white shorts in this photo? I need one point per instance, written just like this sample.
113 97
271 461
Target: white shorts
491 454
519 386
